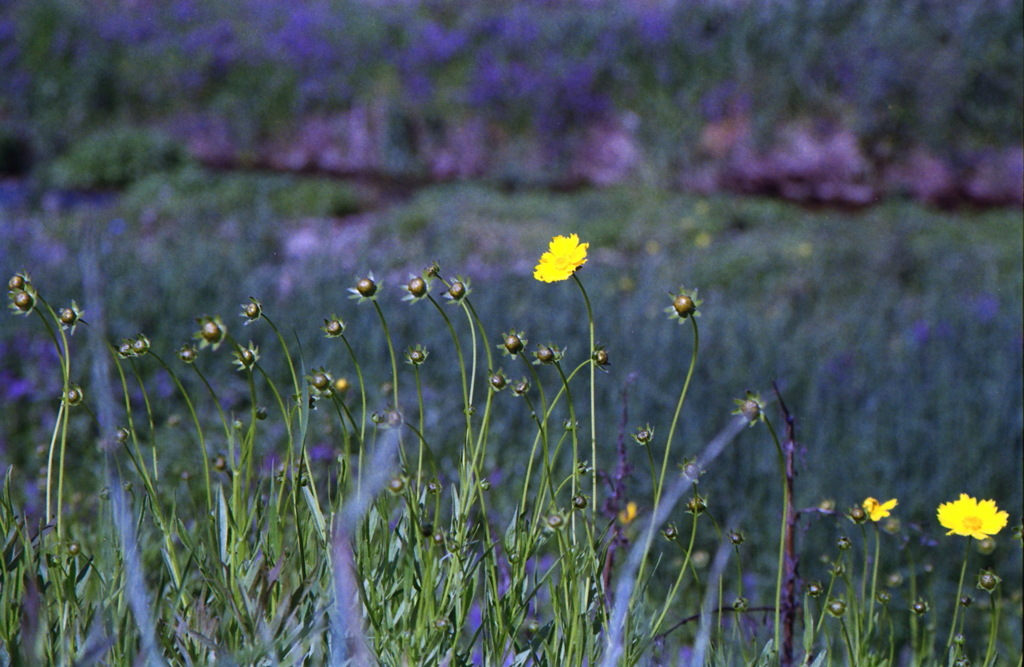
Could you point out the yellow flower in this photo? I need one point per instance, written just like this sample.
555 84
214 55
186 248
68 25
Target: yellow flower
877 510
627 515
969 517
564 256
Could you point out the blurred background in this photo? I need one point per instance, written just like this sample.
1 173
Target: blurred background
841 179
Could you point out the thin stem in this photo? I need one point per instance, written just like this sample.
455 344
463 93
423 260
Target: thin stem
668 442
593 411
956 603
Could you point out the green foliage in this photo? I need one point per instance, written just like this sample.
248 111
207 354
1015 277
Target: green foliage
894 335
117 157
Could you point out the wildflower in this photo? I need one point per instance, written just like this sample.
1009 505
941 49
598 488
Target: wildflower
74 394
251 311
321 380
458 290
333 326
836 607
858 515
187 353
684 304
416 355
565 254
419 286
70 317
498 380
140 345
878 510
627 515
366 288
246 357
988 580
969 517
751 407
643 435
600 357
548 354
514 342
211 331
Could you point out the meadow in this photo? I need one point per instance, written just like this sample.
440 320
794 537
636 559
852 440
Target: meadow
407 491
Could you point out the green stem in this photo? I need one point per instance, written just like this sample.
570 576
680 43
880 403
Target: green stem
593 400
668 444
956 600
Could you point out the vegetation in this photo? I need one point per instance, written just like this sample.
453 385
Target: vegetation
327 494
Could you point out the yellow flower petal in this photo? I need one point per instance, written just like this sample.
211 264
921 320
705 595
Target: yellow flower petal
970 518
565 254
877 510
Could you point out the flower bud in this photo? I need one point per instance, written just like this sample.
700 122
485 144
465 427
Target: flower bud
858 515
498 381
740 604
366 287
16 282
736 537
883 597
600 357
644 435
68 317
211 331
417 287
544 354
521 387
920 607
513 343
74 548
122 434
815 589
988 580
844 543
320 381
966 601
396 485
333 327
836 607
23 301
416 355
252 310
555 521
457 290
434 487
670 532
140 345
579 502
74 395
220 463
696 505
683 305
261 413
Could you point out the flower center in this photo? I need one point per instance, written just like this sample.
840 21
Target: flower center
972 523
